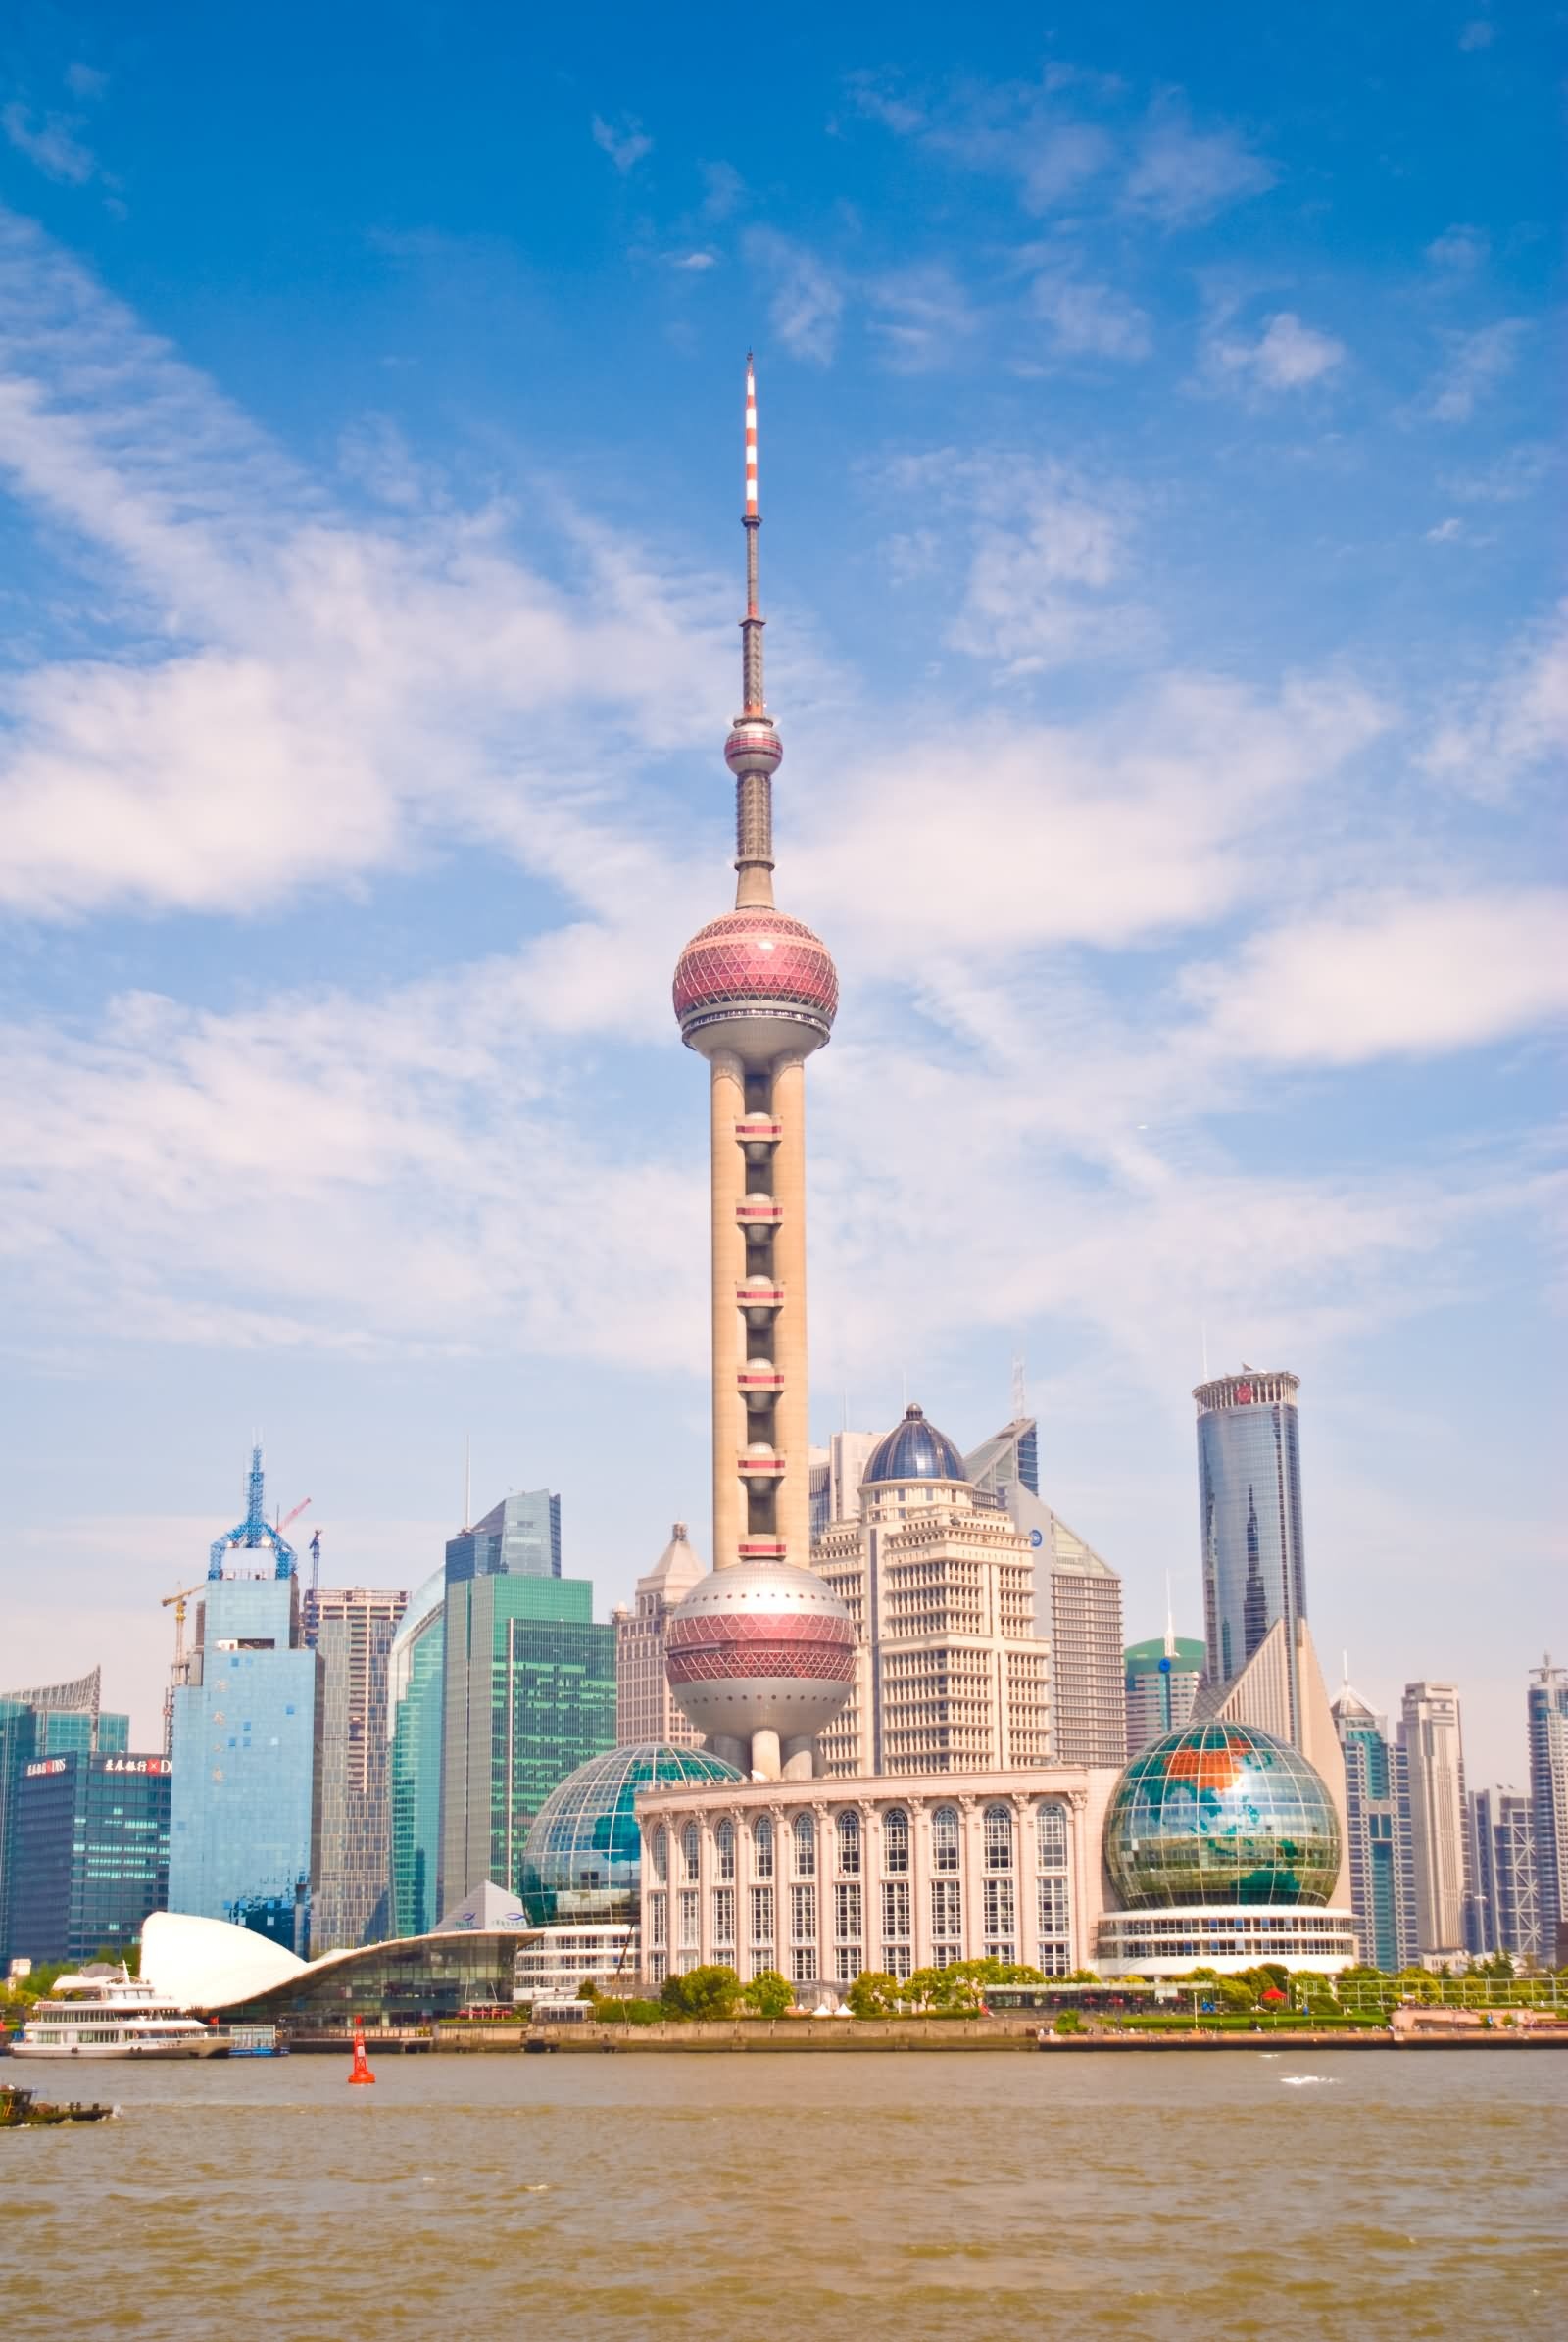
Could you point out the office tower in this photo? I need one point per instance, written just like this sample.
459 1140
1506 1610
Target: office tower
49 1720
1249 1512
415 1681
1077 1603
837 1470
1505 1886
758 1655
91 1853
244 1830
519 1538
1377 1837
352 1629
1429 1733
1161 1677
1547 1709
644 1708
528 1693
950 1676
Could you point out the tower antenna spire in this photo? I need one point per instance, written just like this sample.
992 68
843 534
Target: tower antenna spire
752 749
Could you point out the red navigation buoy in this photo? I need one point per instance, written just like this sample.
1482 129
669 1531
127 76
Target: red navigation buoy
360 2071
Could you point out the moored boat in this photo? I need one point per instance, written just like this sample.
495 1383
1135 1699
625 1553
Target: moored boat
108 2013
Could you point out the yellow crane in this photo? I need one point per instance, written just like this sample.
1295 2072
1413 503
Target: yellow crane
176 1673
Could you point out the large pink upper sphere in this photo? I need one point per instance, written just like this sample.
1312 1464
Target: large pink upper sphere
755 980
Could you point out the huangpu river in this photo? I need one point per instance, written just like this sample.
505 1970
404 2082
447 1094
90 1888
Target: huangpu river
848 2197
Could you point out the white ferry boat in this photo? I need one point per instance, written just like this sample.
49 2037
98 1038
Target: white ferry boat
108 2013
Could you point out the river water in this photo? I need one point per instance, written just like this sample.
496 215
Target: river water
851 2197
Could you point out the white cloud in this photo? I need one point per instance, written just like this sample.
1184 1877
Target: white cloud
1476 34
50 141
85 82
1182 175
625 146
1476 362
1392 976
695 261
1090 321
807 299
1286 356
1459 249
1495 736
1446 532
922 317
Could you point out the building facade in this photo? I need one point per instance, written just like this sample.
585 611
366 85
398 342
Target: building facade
519 1538
837 1470
1548 1722
1162 1678
1078 1608
950 1676
416 1685
1379 1844
1505 1884
245 1813
646 1710
1434 1753
528 1693
91 1854
45 1720
1250 1516
353 1629
824 1881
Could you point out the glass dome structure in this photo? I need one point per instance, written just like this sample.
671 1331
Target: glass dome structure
915 1449
1220 1813
583 1854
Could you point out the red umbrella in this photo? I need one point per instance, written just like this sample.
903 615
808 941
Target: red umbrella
1273 1993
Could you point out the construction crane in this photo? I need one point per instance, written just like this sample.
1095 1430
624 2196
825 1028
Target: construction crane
176 1673
293 1515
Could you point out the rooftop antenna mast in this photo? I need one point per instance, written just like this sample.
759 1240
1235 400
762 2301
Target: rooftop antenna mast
1020 1396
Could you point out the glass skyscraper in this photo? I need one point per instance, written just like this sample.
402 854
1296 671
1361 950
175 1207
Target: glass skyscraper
1250 1515
415 1684
353 1629
1505 1886
1382 1856
528 1690
47 1721
245 1814
91 1853
1547 1716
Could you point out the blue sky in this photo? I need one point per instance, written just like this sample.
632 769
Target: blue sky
1161 500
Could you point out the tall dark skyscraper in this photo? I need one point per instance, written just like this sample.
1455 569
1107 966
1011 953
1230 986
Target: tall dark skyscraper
1250 1515
1548 1711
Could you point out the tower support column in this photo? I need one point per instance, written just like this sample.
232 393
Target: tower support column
727 1186
793 1413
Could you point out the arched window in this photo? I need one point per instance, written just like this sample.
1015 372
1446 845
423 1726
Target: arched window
998 1838
895 1839
1052 1825
945 1839
688 1852
724 1848
660 1854
850 1845
763 1848
804 1847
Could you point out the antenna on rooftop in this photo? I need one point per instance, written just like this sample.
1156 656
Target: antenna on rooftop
468 1504
1020 1396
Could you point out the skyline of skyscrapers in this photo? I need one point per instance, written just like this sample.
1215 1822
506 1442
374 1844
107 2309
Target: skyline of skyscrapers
416 1685
353 1629
1379 1839
1431 1737
90 1854
1546 1721
1506 1888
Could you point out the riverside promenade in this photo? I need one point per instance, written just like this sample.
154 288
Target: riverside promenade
829 2036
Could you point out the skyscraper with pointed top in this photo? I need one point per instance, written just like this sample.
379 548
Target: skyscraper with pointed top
761 1654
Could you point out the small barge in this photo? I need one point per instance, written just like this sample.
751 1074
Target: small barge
20 2110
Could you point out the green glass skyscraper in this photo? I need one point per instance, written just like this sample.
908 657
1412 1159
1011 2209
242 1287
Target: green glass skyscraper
528 1693
414 1686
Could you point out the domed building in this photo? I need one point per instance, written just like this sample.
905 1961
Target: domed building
950 1674
1223 1848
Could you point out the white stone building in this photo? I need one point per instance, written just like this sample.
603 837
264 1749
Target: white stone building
822 1880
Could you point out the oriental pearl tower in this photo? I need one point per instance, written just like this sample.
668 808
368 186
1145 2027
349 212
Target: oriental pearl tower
761 1654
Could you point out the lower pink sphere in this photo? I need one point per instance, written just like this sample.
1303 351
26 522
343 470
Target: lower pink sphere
760 1648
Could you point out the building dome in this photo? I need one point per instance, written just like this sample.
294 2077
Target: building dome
582 1858
755 980
1220 1813
761 1646
916 1451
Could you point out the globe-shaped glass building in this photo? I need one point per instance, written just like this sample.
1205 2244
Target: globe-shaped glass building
583 1854
1220 1813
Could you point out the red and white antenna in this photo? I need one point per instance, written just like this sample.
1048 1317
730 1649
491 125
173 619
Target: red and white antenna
751 513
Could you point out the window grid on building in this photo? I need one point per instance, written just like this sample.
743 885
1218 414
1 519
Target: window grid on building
725 1849
763 1916
849 1841
724 1917
688 1918
689 1853
803 1915
763 1849
804 1846
945 1839
847 1925
896 1839
998 1839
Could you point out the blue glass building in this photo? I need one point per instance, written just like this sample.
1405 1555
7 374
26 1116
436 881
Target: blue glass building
1381 1848
1547 1718
1220 1814
91 1853
245 1815
1249 1514
414 1675
583 1859
49 1721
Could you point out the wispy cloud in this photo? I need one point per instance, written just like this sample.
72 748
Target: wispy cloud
1287 354
1475 365
626 145
922 318
1478 34
1181 176
808 297
1496 735
1461 250
1089 320
50 141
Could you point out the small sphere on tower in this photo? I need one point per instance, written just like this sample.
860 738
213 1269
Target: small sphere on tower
753 746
